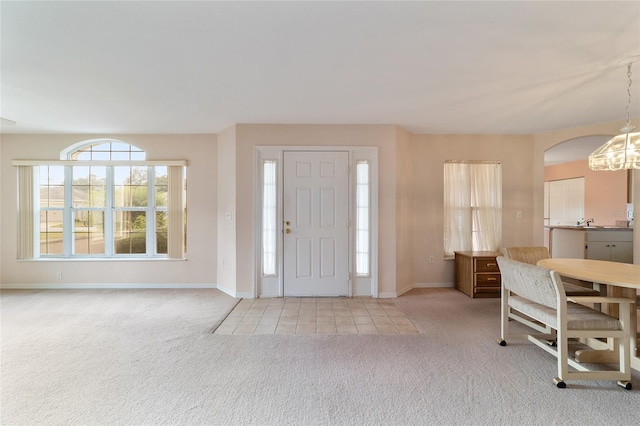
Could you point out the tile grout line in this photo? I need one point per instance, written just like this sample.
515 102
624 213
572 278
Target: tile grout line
345 306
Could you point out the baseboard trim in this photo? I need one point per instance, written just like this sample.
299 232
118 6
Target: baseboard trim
234 294
76 286
434 285
391 295
79 286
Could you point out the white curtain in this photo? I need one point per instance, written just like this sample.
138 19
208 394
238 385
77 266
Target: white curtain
27 206
175 212
457 208
472 206
486 202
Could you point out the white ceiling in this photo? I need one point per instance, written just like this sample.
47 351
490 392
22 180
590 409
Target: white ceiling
431 67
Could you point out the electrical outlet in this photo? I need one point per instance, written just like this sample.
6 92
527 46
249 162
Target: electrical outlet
58 275
432 259
519 214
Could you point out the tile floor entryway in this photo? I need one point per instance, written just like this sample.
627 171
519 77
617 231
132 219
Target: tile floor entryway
316 316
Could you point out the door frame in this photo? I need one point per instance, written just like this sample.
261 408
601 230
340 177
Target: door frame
273 285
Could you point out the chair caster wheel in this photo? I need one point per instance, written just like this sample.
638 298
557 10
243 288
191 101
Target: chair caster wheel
626 385
559 383
502 342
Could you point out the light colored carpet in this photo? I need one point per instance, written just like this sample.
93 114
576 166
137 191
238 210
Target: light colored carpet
147 357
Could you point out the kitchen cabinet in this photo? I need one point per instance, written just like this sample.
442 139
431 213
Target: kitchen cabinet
566 201
613 244
477 273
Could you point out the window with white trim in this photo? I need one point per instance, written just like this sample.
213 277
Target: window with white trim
269 218
362 219
103 201
472 206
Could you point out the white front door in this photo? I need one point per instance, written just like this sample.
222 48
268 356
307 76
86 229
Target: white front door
316 223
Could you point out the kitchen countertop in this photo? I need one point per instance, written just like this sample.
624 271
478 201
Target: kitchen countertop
590 228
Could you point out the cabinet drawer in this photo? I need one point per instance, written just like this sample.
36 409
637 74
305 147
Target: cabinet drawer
487 265
488 280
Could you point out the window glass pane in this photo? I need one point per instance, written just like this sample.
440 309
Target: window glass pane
51 232
51 175
119 146
121 175
139 175
52 196
130 186
51 186
161 233
161 186
122 196
89 186
130 234
82 154
138 156
104 147
98 175
100 156
120 156
269 220
88 233
80 175
362 219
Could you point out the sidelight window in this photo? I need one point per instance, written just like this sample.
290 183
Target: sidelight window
362 242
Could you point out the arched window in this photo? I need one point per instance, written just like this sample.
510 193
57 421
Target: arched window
102 200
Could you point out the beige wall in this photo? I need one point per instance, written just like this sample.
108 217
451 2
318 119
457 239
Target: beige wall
248 136
404 211
544 141
221 180
199 269
605 193
1 203
226 214
429 153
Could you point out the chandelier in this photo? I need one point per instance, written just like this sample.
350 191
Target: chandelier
622 151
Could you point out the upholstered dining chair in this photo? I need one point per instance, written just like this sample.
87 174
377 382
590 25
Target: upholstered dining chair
532 255
538 292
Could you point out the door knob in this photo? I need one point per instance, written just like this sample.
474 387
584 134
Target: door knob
287 231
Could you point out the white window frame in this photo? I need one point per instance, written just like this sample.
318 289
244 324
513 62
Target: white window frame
29 208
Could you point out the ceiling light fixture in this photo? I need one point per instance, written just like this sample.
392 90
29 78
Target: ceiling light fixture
622 151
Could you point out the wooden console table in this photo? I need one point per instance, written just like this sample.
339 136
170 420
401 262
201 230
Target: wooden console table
477 273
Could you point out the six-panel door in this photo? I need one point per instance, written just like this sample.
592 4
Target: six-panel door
316 223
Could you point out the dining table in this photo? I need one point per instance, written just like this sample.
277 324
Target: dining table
619 279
